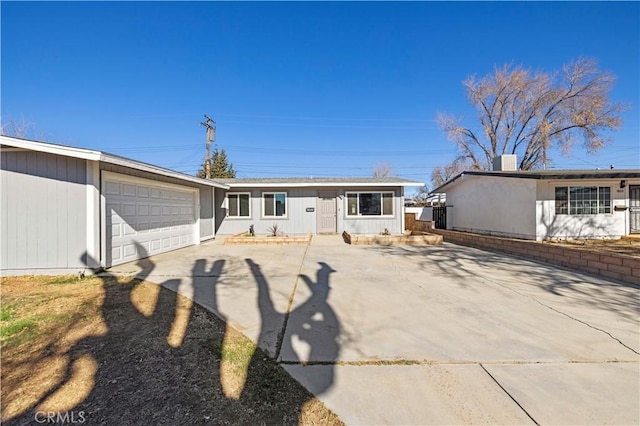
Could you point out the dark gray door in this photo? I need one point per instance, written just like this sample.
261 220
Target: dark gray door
634 209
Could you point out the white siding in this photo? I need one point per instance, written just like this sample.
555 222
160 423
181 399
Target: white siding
43 213
550 225
494 206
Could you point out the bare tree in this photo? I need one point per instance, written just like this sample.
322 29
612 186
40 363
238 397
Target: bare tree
527 113
16 128
442 174
420 197
382 169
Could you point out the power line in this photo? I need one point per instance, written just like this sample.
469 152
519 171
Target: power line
290 117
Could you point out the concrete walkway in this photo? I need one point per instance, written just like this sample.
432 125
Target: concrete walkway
425 335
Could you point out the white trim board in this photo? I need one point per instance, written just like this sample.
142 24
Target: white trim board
87 154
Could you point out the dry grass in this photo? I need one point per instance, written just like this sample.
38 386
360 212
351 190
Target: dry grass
625 245
123 351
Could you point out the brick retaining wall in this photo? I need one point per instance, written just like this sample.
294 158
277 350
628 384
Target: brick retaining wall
243 239
617 266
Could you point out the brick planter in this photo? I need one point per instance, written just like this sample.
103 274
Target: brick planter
421 239
243 238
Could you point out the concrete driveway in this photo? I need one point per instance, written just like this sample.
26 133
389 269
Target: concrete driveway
425 335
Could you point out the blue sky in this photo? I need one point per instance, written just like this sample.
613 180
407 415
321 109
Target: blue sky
297 89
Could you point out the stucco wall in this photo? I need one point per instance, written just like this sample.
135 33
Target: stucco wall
421 213
299 220
43 212
494 206
611 225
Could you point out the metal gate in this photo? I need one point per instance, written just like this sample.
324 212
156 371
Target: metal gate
634 209
440 217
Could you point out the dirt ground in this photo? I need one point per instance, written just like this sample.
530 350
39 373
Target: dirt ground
122 351
630 246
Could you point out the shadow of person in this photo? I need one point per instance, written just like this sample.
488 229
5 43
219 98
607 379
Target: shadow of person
314 325
110 368
135 340
272 322
159 358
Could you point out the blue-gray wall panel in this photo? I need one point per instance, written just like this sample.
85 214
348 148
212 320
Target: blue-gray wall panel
299 221
43 211
206 212
220 212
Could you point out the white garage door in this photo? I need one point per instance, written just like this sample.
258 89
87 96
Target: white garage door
143 217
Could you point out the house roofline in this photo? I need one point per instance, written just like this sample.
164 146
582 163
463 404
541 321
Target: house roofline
320 184
99 156
546 175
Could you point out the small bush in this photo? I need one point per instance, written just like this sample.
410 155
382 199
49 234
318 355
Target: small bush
274 231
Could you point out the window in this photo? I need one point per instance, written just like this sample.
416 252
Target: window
275 204
238 205
370 204
577 200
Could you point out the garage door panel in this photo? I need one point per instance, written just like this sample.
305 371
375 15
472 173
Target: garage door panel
156 245
129 190
128 230
112 188
143 217
116 254
143 191
129 250
128 211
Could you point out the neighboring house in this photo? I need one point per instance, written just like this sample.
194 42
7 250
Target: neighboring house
65 209
539 205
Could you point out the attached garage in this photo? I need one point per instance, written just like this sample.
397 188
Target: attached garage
70 210
143 217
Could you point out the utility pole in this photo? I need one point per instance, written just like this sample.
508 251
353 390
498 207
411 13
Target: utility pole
211 136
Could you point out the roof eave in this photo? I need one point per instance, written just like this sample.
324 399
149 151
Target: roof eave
320 184
442 188
91 155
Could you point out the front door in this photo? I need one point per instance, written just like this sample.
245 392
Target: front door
634 209
327 222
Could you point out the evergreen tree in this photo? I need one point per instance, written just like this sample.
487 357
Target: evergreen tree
220 166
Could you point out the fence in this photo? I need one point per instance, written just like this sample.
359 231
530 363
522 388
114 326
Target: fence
440 217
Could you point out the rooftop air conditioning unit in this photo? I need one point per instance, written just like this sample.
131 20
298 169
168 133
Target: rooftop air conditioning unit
505 163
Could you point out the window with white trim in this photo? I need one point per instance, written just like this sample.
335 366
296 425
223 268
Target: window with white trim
238 204
369 203
579 200
274 204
